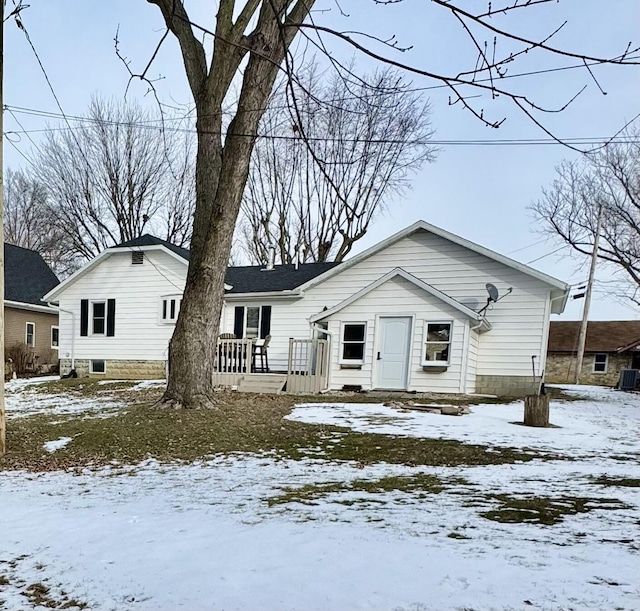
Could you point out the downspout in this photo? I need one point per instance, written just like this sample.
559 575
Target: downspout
314 326
73 332
466 355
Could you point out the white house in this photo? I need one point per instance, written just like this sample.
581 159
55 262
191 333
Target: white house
410 313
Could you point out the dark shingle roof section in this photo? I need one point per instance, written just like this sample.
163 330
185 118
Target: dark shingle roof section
250 278
149 240
602 336
256 279
27 278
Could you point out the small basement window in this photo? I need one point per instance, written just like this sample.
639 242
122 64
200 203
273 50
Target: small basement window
98 366
353 343
437 345
600 362
55 338
137 257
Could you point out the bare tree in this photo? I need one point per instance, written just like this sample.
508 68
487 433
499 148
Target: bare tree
29 222
251 42
609 178
115 176
366 142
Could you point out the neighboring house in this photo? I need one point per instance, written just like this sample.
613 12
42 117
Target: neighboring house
610 347
28 320
410 313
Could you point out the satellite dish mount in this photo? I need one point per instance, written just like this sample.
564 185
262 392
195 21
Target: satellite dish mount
494 296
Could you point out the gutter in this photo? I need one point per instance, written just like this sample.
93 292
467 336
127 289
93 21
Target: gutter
31 307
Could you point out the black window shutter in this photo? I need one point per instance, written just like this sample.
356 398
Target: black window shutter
111 317
84 317
238 324
265 322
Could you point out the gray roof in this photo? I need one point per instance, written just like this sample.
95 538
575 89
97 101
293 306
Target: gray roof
249 278
26 275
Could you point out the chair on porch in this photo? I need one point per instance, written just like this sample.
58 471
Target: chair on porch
260 350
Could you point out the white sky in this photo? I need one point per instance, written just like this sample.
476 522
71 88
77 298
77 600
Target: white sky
479 192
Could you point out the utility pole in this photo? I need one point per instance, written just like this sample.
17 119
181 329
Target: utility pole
3 426
582 339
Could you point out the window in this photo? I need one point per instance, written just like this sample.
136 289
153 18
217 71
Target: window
30 334
600 362
55 338
252 322
98 366
353 342
437 343
170 308
98 317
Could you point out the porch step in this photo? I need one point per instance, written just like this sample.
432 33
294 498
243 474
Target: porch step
262 383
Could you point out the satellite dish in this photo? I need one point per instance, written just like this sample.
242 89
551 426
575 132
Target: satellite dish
493 292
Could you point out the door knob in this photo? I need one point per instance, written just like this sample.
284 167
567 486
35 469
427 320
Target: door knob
379 357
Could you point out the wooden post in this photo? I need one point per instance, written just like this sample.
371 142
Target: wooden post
536 410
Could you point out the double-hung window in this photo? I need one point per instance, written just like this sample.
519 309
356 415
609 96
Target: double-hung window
353 342
30 334
437 345
98 317
600 362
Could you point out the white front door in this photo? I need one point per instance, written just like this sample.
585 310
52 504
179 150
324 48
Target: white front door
392 357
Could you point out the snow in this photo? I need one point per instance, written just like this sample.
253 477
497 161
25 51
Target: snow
204 536
56 444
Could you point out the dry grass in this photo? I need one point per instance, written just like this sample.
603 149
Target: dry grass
242 423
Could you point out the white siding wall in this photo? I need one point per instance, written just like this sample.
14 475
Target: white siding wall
518 320
137 289
472 359
398 297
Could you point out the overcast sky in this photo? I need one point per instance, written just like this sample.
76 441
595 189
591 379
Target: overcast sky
478 192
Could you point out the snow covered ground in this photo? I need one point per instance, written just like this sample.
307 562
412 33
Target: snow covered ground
204 535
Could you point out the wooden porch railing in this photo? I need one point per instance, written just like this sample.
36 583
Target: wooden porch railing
308 365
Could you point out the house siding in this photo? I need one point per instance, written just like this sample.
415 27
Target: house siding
398 297
139 333
519 320
15 321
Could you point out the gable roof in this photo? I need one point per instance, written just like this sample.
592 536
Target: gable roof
238 280
26 275
257 279
560 287
395 273
150 240
602 336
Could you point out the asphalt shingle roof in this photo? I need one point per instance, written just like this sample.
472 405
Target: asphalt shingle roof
249 278
602 336
26 276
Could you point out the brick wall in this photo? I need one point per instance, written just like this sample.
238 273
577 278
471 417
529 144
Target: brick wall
506 386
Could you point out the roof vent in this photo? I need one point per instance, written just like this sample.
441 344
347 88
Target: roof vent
137 257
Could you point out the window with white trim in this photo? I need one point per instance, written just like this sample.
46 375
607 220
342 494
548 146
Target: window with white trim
352 342
98 317
55 338
437 344
600 363
30 334
97 366
170 308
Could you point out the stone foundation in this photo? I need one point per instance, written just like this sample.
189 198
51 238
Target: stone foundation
561 369
119 369
505 386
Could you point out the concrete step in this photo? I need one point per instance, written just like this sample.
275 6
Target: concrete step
262 383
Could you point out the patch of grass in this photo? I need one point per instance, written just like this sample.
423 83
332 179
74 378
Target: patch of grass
544 510
3 581
623 482
309 493
242 423
457 535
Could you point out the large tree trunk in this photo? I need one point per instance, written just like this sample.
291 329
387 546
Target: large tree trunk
221 175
